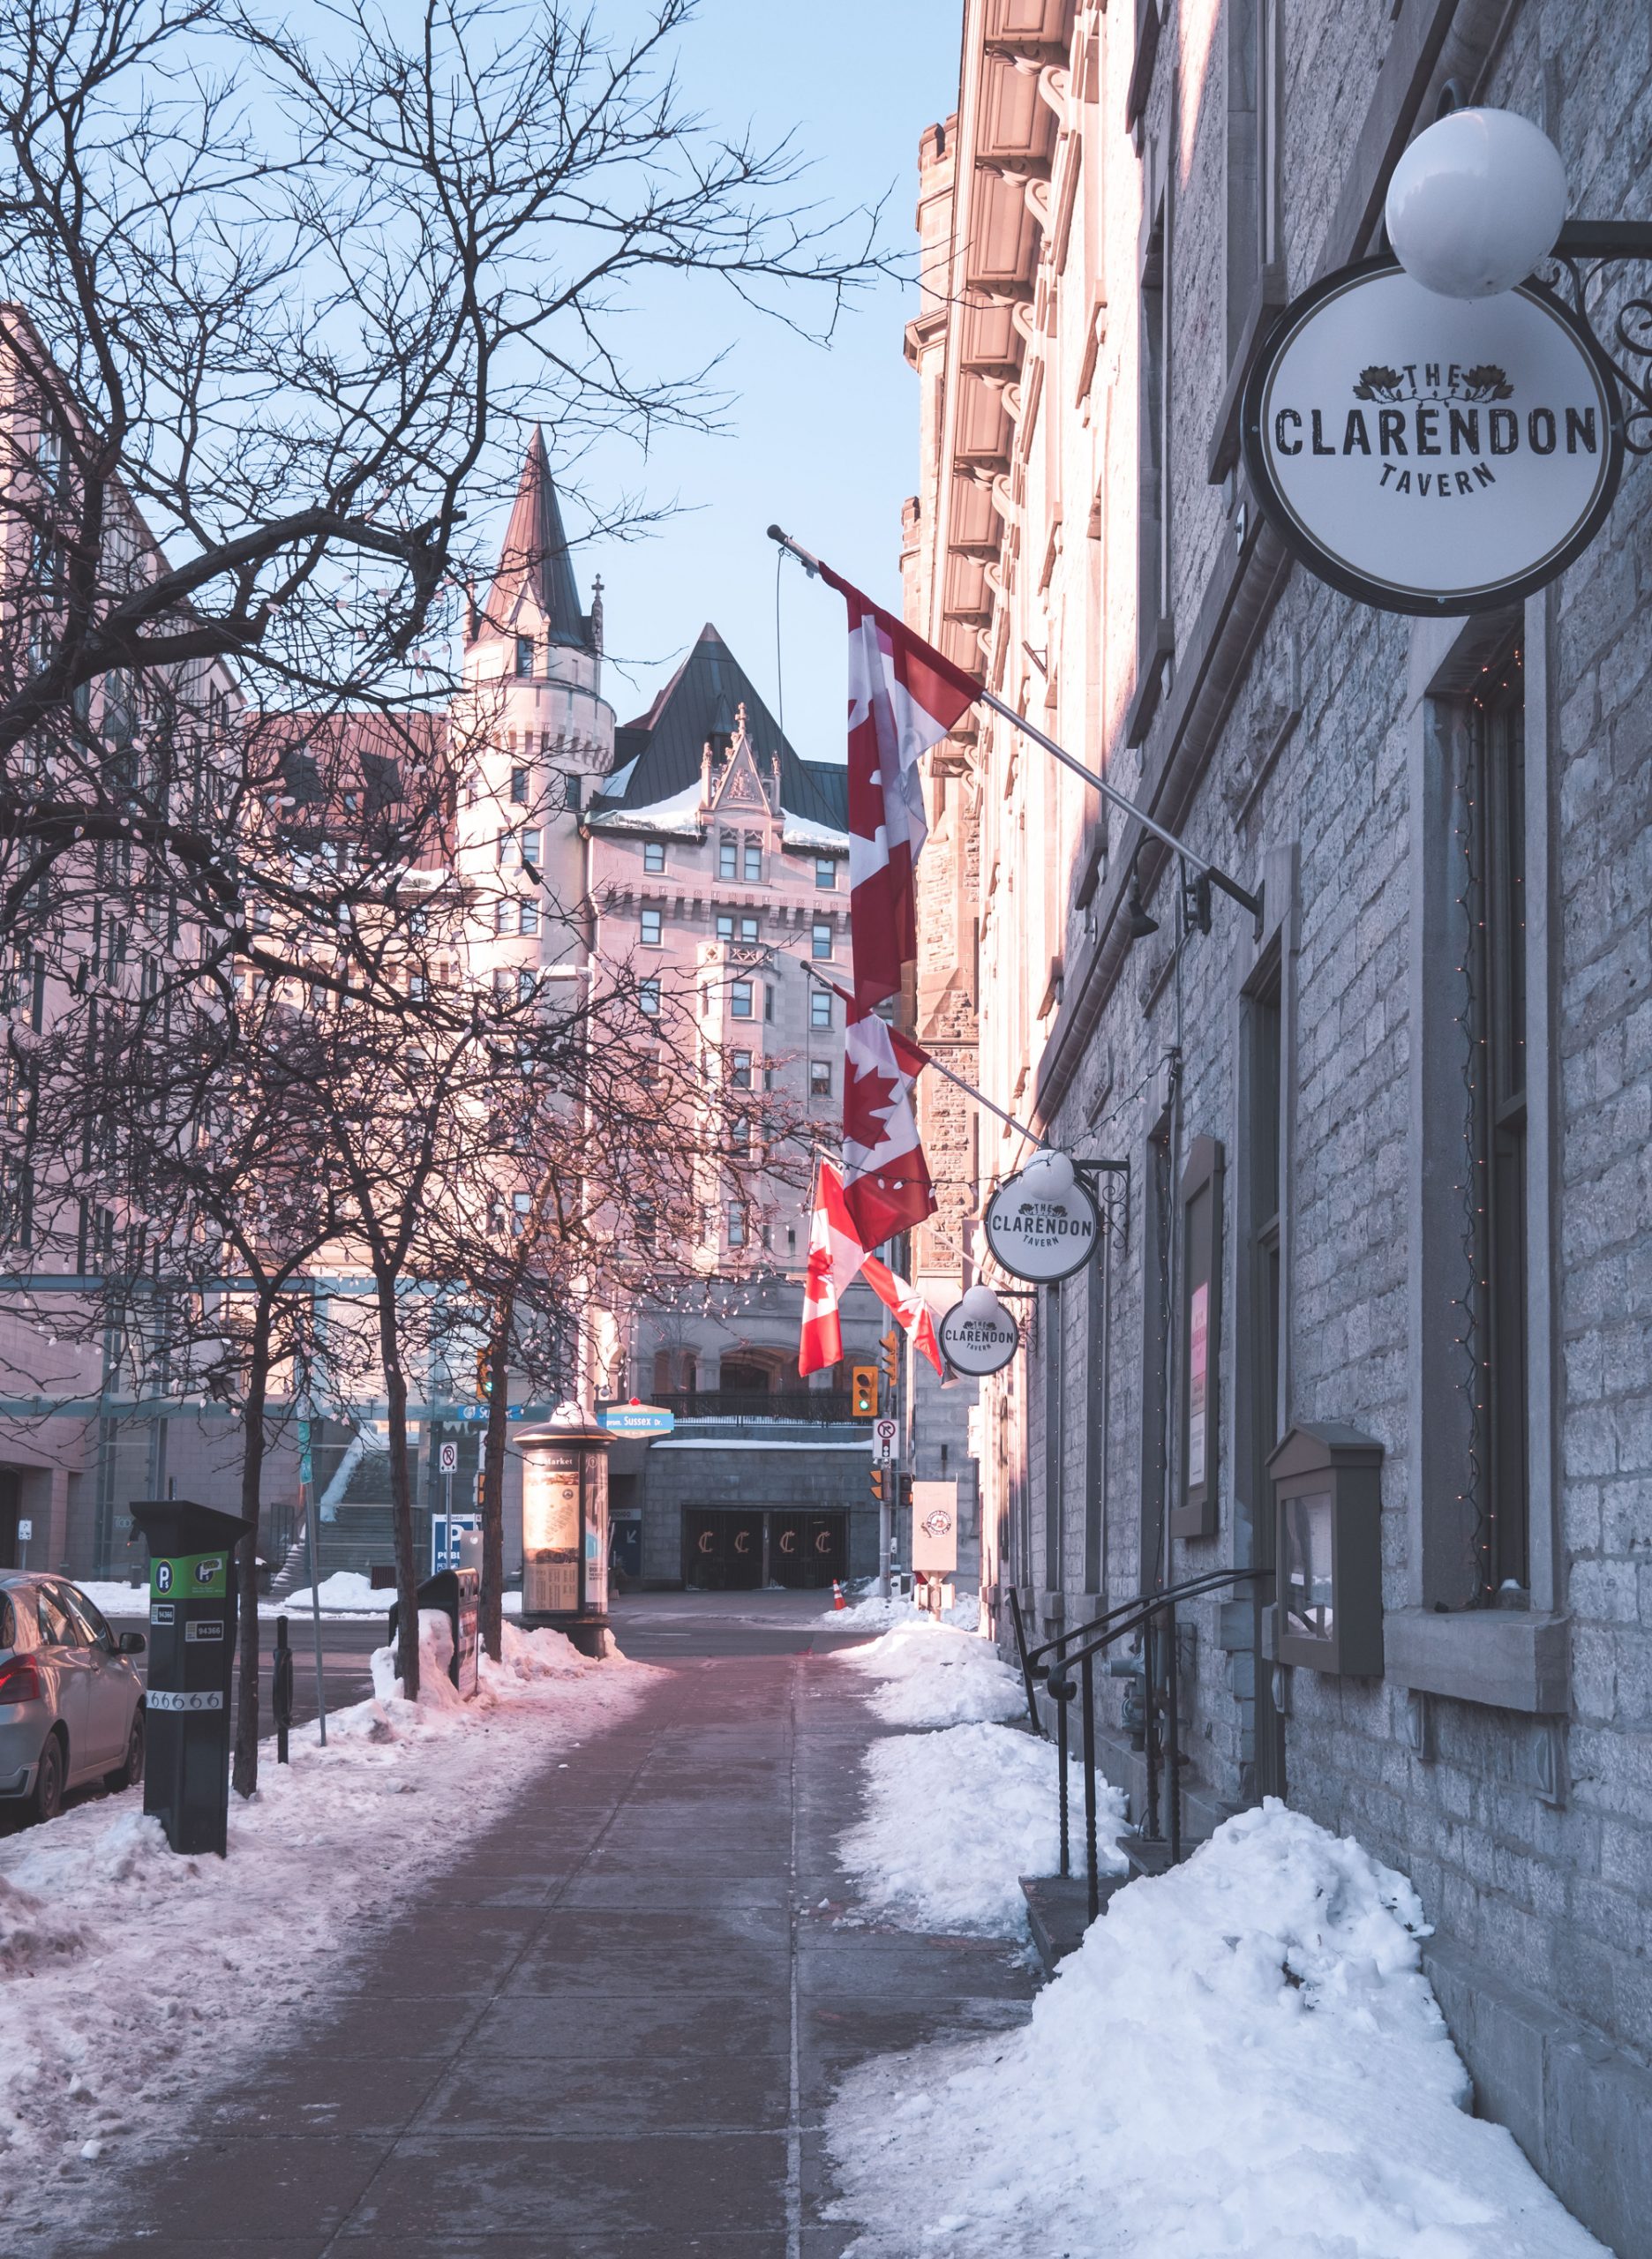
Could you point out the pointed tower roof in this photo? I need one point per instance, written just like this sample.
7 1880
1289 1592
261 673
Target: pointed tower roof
659 754
534 563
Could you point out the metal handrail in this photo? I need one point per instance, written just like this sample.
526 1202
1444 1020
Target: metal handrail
1140 1614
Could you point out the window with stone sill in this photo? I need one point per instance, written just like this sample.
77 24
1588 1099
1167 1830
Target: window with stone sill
654 857
825 874
728 856
820 1078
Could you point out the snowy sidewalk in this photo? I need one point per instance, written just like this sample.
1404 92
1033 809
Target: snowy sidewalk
611 2028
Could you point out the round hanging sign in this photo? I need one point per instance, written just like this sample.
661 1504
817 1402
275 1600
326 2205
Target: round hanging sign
1035 1236
978 1346
1430 455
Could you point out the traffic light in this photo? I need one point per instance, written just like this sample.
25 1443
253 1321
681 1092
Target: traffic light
484 1378
878 1479
903 1491
891 1347
863 1392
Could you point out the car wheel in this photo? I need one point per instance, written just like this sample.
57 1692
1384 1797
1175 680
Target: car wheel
47 1801
128 1775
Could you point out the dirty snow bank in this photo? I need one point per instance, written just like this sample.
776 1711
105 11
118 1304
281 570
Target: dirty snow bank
934 1675
953 1819
346 1593
131 1977
874 1615
1243 2058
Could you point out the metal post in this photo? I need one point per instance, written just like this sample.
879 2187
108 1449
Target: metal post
1026 1668
1087 1675
1061 1752
1150 1727
306 1477
282 1690
1173 1765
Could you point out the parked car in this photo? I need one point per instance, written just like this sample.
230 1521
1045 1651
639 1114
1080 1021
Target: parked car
71 1702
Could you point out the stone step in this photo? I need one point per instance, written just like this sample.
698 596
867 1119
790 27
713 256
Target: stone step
1058 1912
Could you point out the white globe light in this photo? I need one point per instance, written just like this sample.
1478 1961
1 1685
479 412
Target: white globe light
1048 1175
1475 202
981 1306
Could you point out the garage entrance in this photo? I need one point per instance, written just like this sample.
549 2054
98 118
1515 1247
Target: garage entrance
741 1549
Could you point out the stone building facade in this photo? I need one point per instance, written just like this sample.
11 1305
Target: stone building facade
1407 1118
693 848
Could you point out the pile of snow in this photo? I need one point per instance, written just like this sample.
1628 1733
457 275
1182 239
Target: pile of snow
1244 2057
345 1593
129 1976
875 1615
933 1675
953 1820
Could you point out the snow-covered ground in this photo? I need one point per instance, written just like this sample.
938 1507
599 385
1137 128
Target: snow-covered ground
933 1675
1243 2058
952 1820
874 1615
128 1973
346 1593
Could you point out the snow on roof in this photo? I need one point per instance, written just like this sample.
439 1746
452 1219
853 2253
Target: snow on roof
679 816
815 838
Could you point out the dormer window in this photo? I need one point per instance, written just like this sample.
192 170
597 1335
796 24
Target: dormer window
524 658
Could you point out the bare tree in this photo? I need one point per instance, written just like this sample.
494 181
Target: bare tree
280 300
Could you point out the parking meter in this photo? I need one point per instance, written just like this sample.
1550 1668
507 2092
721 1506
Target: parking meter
191 1654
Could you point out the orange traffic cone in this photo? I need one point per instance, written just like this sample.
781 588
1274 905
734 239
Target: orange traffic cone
838 1599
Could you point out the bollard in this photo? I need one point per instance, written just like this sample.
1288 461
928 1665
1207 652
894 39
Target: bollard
282 1690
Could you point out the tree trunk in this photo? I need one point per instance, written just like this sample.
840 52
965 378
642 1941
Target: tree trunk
494 1481
400 1493
243 1775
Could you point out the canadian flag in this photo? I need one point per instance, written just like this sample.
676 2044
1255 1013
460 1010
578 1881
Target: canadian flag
903 697
909 1306
834 1256
886 1179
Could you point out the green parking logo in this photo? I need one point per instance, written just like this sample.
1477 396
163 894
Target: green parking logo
163 1576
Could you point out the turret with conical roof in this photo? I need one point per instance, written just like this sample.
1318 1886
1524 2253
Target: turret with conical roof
534 590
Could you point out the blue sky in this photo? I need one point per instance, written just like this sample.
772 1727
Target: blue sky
823 441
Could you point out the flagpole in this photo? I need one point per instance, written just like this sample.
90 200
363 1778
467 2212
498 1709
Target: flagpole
1120 801
969 1089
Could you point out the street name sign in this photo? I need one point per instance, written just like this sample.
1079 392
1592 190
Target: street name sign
1039 1236
1429 455
636 1420
978 1346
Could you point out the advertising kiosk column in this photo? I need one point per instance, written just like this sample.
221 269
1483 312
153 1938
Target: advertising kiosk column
191 1654
565 1527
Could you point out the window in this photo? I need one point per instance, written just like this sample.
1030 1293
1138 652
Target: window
820 1008
519 787
820 939
739 1134
736 1224
654 857
740 1000
752 863
1252 166
528 915
1495 902
505 915
1153 570
652 935
522 1205
741 1070
728 856
819 1077
418 987
530 851
725 926
524 657
769 1003
1198 1347
525 983
825 874
57 1627
649 998
791 1239
748 929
